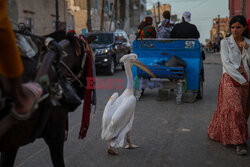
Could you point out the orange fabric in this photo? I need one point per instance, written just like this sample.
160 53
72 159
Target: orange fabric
10 61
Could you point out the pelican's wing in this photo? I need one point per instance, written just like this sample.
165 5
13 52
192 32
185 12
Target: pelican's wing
119 140
121 118
111 101
108 113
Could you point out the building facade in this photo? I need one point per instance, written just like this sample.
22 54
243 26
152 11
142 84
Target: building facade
78 8
157 11
222 26
40 16
131 12
235 8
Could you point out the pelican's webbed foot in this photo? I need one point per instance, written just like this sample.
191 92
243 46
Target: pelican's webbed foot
131 146
112 152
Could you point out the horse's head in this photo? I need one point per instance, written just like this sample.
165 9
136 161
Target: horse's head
73 60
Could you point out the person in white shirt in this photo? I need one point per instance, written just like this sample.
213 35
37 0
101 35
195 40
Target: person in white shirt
229 122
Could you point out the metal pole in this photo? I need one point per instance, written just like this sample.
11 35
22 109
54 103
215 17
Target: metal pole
218 31
112 15
102 16
243 5
218 35
159 14
118 13
89 24
57 16
155 16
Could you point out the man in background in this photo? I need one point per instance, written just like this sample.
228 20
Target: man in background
185 29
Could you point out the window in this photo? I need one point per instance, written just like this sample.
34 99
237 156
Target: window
103 38
29 23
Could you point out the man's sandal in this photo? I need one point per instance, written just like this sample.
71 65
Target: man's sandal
36 90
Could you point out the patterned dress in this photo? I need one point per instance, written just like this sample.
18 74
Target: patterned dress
148 32
229 125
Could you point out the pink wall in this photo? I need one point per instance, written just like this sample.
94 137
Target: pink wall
235 8
247 9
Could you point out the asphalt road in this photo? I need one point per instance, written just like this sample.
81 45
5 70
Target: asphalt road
168 134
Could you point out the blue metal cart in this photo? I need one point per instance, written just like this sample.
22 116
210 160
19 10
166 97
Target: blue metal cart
186 80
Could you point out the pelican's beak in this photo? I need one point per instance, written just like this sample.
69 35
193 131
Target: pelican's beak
142 66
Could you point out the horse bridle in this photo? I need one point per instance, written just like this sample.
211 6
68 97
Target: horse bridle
74 77
71 79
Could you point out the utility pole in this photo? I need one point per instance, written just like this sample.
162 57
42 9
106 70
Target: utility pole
243 7
218 31
89 26
159 14
112 15
155 16
118 13
57 16
102 16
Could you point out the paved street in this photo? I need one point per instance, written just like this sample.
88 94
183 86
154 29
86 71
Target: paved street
168 134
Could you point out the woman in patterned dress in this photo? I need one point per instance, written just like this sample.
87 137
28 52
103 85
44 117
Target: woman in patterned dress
145 29
229 125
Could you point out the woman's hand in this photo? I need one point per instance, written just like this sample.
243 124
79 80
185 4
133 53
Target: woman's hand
244 84
244 44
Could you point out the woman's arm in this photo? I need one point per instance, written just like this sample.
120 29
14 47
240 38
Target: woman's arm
228 65
246 45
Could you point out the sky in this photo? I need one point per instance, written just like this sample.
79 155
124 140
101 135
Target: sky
202 12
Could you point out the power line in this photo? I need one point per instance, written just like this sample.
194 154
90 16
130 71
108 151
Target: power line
198 5
175 1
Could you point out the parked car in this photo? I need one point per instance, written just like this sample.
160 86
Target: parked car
109 47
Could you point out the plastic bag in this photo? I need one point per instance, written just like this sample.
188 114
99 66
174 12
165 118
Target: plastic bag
175 61
26 46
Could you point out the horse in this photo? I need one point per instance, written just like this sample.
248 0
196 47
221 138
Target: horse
49 120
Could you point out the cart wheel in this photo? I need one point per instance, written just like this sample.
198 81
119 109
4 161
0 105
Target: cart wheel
123 68
111 67
142 91
200 92
138 93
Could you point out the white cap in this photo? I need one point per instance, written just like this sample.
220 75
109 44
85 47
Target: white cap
187 16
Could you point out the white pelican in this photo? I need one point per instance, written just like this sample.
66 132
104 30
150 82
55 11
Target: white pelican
118 114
